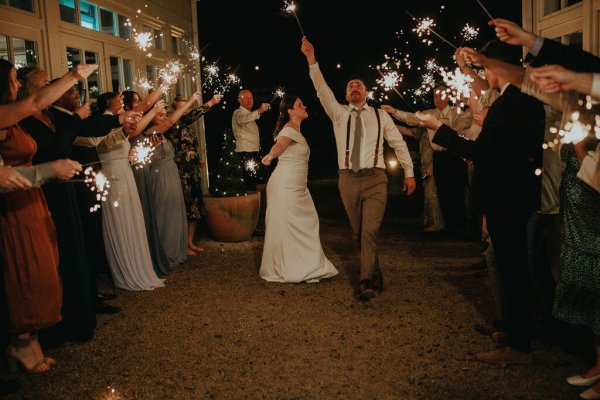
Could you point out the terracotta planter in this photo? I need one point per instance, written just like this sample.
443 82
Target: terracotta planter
232 219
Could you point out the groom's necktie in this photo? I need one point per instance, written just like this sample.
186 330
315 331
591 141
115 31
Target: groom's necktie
355 157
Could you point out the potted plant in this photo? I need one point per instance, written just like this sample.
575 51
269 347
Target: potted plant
231 213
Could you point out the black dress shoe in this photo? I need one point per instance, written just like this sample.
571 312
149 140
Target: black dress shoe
106 296
105 308
365 290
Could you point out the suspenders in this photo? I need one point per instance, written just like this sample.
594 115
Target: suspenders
376 146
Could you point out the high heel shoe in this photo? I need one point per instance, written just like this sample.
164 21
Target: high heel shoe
579 380
590 394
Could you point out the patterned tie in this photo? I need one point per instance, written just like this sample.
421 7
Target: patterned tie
355 157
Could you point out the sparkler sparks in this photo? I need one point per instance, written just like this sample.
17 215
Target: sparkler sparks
290 8
424 26
469 32
277 94
458 84
251 166
143 40
96 182
575 130
141 154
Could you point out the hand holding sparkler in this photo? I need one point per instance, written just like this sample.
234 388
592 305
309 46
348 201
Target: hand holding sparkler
82 71
83 111
511 33
263 107
555 78
473 57
66 169
388 109
131 117
308 50
216 99
428 121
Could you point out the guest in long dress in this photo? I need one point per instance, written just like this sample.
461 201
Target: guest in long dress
161 195
27 243
123 225
292 250
78 314
189 163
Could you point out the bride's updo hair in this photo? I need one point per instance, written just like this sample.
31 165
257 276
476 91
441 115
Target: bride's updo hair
287 103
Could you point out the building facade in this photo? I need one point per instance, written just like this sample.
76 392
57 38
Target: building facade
55 35
572 22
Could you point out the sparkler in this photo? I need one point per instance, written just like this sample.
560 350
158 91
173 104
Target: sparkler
278 93
484 9
96 182
424 25
390 80
141 154
290 8
575 130
459 84
143 40
469 32
251 166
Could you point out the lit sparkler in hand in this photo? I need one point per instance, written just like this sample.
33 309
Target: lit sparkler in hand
96 182
251 166
277 94
141 154
169 74
469 33
290 8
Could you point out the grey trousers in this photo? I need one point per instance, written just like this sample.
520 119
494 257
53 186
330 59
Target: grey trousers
364 195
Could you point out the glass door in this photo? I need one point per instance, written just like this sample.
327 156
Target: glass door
84 51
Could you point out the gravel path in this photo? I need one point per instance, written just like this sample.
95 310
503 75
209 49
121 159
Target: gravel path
217 331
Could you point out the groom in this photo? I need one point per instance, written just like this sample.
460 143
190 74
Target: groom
358 131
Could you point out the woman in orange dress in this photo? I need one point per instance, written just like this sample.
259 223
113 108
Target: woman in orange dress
28 248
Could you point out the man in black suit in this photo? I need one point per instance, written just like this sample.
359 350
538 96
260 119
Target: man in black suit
508 159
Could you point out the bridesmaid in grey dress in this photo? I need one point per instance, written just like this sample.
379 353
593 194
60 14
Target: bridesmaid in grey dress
122 220
161 194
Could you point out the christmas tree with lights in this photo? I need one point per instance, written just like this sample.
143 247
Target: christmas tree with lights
227 179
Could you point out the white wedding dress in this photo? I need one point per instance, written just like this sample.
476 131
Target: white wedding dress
292 251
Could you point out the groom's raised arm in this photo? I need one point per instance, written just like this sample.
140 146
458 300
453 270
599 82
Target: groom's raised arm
333 109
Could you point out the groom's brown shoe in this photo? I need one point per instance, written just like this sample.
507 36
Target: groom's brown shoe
505 356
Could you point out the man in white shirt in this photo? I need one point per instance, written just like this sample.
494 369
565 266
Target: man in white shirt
247 135
359 132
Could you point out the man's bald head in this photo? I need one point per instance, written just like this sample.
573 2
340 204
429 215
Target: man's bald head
245 99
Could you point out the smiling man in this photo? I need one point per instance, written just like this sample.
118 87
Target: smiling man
359 133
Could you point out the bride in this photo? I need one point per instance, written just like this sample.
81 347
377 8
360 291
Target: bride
292 250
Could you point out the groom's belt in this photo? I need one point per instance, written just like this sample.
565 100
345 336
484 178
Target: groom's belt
362 172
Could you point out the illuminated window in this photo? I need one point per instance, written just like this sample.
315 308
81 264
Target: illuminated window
124 27
121 72
68 11
88 13
108 22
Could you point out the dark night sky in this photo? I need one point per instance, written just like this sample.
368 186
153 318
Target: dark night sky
354 34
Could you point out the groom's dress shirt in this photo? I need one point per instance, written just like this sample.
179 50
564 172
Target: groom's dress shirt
245 130
340 114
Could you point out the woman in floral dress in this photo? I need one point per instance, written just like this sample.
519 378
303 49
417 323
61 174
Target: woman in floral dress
189 163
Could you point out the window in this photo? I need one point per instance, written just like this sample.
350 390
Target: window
151 75
26 5
4 48
121 72
20 52
551 6
24 53
92 85
68 13
108 22
159 41
89 15
124 27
